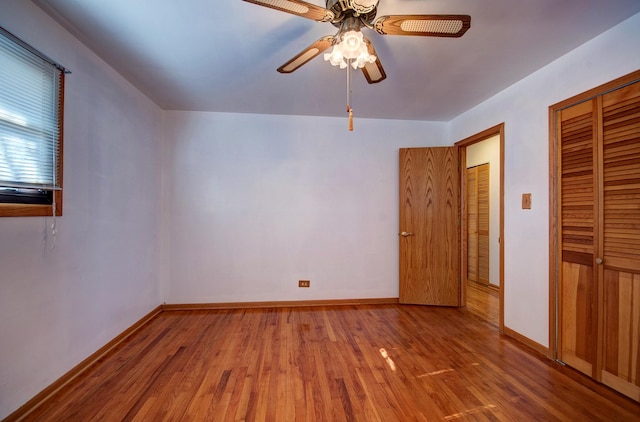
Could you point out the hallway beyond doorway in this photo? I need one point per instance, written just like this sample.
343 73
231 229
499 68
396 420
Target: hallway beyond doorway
484 302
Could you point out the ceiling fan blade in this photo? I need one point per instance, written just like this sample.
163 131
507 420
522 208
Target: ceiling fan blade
373 71
298 7
307 54
424 25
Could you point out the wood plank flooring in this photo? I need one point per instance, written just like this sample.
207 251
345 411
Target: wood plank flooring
343 363
484 302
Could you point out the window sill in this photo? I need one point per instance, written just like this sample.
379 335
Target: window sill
28 210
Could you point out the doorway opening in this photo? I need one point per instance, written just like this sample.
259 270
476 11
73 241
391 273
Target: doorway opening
482 224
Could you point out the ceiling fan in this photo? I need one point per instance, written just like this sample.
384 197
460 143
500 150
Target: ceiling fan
350 46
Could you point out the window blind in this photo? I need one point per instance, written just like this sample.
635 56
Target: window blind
30 117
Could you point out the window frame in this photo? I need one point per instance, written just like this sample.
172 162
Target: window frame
16 209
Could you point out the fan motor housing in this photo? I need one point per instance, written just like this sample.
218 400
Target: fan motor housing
344 9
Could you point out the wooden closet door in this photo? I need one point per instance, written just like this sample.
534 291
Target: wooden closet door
620 256
599 238
577 317
483 223
478 211
472 224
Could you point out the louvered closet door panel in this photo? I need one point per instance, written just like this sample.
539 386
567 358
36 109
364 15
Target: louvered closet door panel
577 211
483 223
621 239
472 224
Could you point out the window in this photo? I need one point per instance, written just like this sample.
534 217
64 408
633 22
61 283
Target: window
31 102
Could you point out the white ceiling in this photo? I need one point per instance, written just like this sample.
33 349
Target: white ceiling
222 55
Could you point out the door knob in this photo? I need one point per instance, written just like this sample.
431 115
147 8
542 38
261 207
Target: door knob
405 234
599 261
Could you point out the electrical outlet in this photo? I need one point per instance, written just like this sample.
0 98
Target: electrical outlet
304 283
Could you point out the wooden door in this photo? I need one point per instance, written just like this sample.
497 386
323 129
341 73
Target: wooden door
599 238
429 226
619 257
478 210
472 224
483 223
577 210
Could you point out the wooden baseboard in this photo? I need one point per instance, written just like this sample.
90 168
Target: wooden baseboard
535 346
24 410
277 304
489 289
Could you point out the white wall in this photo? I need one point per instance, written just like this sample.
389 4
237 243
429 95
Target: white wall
524 109
57 306
255 203
488 152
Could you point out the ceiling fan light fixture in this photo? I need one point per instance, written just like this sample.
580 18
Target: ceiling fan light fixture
351 49
336 58
351 43
362 60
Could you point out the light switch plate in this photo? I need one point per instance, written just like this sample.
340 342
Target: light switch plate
526 201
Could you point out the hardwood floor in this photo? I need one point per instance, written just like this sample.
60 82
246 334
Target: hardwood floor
344 363
484 302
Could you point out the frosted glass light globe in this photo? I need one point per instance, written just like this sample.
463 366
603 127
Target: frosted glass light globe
351 42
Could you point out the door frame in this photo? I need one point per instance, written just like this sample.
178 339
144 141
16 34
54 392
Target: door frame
497 130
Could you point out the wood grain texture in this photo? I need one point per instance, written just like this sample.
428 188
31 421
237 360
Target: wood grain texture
423 25
578 183
555 252
577 285
80 370
484 212
277 304
478 217
484 301
306 55
472 224
32 210
429 209
296 7
598 203
576 345
620 203
359 363
621 178
621 360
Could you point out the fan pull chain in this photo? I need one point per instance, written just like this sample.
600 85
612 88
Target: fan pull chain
349 109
